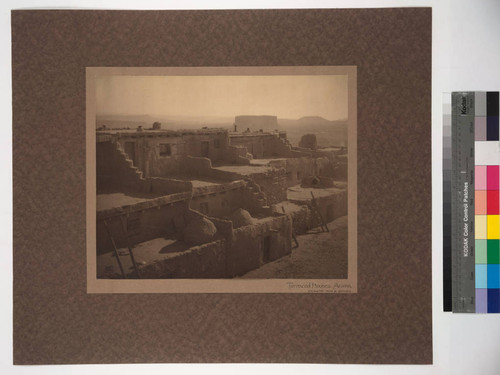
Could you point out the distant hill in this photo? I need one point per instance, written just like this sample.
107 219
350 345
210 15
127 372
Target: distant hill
328 133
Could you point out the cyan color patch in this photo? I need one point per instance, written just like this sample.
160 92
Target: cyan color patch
481 276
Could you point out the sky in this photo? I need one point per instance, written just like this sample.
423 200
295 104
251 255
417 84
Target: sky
290 97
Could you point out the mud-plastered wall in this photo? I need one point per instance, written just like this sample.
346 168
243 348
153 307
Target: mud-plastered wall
254 245
141 222
207 261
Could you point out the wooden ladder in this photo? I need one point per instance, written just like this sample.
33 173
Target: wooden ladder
293 232
115 250
315 211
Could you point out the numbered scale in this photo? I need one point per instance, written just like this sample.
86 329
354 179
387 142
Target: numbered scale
462 202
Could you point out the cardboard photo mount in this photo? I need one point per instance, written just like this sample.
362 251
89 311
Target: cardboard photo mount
389 320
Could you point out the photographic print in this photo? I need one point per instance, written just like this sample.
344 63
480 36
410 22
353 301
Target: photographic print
238 176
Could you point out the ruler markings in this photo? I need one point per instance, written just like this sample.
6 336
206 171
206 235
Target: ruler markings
462 203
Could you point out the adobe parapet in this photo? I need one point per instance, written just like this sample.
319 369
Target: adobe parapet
106 135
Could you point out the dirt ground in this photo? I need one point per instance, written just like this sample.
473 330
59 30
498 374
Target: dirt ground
320 255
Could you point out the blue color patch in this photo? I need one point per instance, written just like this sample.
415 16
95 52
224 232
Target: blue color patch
493 276
493 300
481 276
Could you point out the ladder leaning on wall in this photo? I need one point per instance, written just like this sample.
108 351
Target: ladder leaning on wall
317 214
115 250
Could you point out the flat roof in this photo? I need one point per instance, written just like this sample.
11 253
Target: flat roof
161 132
298 193
107 201
244 170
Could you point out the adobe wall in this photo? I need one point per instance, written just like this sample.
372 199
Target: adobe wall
340 170
217 144
333 206
207 261
107 176
273 184
255 200
166 186
265 145
302 220
202 168
254 143
147 149
204 261
220 200
275 146
147 152
237 155
115 173
145 221
299 168
330 207
247 250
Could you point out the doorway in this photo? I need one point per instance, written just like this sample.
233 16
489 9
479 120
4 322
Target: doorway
266 249
205 147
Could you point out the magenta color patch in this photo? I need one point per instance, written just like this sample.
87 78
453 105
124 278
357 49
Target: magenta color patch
480 174
492 177
480 128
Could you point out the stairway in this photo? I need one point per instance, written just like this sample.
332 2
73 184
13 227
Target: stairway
256 197
129 162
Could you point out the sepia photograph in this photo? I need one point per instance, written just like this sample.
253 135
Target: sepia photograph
221 179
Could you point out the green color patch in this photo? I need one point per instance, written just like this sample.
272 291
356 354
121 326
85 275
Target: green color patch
493 251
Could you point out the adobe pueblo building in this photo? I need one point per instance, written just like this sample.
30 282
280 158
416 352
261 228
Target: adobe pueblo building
208 203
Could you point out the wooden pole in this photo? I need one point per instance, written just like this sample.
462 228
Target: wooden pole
114 249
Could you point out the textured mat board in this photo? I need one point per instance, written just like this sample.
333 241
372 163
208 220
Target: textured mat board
387 321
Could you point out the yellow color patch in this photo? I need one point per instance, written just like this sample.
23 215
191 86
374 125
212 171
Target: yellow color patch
493 227
480 228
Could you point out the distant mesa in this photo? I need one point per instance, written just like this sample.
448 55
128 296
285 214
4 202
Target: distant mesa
316 120
256 123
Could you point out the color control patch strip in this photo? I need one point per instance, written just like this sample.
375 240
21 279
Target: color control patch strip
487 231
471 202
